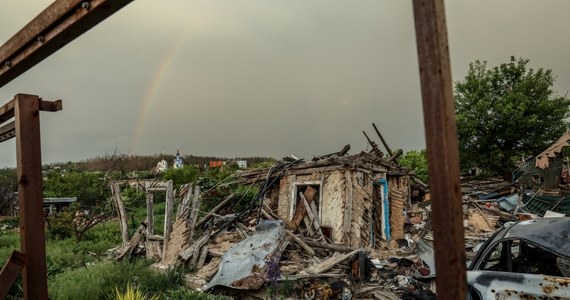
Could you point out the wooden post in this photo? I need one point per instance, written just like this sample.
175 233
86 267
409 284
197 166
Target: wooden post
29 173
442 148
149 214
183 206
168 216
121 213
194 213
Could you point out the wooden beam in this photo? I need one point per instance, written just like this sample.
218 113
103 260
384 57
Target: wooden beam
10 272
30 199
300 209
149 214
382 139
194 212
330 262
169 210
56 26
121 212
442 148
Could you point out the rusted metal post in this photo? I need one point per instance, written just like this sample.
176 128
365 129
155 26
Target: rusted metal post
442 148
29 173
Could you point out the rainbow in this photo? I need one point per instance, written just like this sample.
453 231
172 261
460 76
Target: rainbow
152 91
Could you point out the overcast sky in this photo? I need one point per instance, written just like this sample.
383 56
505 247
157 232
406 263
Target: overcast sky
262 77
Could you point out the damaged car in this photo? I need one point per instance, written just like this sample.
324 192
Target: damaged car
523 260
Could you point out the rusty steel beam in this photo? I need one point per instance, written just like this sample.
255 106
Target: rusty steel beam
7 131
10 272
7 111
30 200
56 26
442 148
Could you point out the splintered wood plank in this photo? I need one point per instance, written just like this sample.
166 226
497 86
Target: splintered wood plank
149 214
300 210
302 244
311 216
121 212
330 263
169 210
194 212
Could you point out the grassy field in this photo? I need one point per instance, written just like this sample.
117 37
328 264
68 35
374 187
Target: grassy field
81 270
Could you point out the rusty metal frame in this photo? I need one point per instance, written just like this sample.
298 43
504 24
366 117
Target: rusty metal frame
25 109
60 23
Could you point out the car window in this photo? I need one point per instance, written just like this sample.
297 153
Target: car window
493 258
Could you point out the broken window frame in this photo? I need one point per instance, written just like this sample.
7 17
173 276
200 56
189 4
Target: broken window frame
295 196
505 261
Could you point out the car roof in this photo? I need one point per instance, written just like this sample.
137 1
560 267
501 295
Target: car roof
548 233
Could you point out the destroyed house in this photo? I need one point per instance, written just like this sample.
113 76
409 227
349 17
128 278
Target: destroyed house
355 200
545 180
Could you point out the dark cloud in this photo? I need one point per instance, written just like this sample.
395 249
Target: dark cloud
261 77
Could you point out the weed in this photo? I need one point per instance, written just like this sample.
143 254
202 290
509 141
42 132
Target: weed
133 293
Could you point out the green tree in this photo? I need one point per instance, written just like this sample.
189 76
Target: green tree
90 188
505 113
186 174
417 161
8 185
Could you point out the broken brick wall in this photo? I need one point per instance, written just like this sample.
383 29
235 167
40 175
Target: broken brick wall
399 194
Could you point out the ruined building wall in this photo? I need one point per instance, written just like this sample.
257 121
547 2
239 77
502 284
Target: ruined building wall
399 187
283 205
362 207
333 204
332 196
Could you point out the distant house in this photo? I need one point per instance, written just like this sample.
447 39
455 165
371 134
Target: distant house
161 166
53 205
216 163
242 164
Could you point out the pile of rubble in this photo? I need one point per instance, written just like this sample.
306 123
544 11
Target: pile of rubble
337 227
246 255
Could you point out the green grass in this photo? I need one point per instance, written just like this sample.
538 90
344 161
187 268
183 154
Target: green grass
100 280
80 270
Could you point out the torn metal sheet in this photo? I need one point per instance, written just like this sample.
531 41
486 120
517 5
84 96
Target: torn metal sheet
543 159
508 203
245 266
427 254
487 285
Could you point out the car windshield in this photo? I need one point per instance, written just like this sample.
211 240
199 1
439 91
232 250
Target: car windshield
519 256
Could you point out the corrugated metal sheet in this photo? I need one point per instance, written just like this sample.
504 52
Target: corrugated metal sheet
244 266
